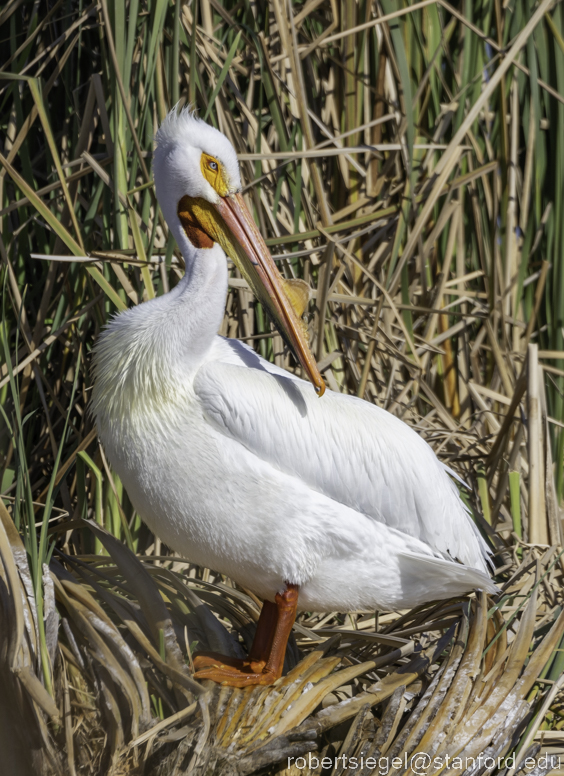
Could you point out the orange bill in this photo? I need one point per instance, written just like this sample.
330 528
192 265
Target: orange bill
252 257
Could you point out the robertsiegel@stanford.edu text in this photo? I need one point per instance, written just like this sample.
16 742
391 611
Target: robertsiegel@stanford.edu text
420 763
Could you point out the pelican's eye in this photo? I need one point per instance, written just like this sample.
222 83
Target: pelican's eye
214 173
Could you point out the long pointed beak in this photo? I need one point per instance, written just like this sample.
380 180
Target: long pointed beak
255 263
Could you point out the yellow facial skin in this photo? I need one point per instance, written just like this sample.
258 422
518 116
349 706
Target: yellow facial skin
213 172
199 221
197 216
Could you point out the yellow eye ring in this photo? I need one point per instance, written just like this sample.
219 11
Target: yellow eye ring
213 172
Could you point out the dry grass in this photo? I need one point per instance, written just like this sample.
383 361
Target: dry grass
412 172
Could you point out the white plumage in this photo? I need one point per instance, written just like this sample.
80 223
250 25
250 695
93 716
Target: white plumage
240 467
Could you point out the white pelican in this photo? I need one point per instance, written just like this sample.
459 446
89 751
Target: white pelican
321 504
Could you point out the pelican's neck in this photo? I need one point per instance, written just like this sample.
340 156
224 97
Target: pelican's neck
197 305
147 356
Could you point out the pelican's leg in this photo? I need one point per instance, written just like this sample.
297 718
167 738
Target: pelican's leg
266 658
266 627
287 606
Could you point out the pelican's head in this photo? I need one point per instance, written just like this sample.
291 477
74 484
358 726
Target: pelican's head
198 186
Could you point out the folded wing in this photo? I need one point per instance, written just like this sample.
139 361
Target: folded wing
344 447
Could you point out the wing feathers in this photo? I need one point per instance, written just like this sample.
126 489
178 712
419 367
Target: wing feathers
345 448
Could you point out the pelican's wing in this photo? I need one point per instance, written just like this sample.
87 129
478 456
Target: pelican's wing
344 447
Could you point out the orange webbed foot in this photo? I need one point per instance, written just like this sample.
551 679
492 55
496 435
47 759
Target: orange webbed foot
231 671
266 660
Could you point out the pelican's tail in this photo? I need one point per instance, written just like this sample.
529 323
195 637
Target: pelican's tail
437 578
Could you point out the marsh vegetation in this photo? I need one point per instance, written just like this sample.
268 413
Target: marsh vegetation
407 161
